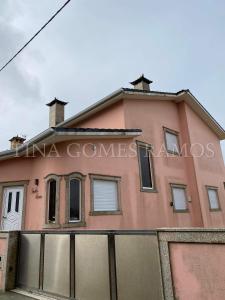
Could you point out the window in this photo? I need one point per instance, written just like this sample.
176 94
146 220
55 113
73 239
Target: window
105 194
172 141
74 200
179 198
9 202
17 201
213 198
52 200
145 167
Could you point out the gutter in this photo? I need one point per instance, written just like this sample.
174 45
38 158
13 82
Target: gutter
54 132
25 146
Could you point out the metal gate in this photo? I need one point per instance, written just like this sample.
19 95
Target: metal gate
91 265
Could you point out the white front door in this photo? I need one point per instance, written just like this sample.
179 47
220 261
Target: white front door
12 208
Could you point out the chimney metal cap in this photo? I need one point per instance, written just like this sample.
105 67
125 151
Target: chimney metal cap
56 101
142 78
17 139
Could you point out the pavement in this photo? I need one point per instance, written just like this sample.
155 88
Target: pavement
13 296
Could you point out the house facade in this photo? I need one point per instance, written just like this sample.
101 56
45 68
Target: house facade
137 159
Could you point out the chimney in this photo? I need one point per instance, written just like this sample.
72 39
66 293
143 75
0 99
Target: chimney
142 83
56 112
16 141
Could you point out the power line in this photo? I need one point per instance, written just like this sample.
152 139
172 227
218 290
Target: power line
34 36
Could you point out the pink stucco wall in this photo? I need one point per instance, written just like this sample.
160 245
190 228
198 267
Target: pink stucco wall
111 117
198 271
209 170
140 210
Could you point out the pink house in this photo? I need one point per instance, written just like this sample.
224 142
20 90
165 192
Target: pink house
137 159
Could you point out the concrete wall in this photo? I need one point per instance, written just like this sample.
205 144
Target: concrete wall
3 255
8 254
198 271
192 262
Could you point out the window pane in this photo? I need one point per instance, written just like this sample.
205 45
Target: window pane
9 202
17 201
74 199
145 167
172 142
179 198
52 200
105 195
213 199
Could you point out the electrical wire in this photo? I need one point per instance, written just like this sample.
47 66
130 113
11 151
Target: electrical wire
34 36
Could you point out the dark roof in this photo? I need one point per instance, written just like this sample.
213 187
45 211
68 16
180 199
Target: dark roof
56 101
153 92
63 129
140 79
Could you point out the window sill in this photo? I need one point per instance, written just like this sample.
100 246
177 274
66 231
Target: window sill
215 209
143 190
173 153
181 211
51 226
106 213
74 224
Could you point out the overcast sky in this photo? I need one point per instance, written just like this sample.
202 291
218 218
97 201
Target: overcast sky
96 46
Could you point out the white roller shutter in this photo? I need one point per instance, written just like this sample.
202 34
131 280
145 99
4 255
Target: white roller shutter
172 142
213 199
179 198
105 195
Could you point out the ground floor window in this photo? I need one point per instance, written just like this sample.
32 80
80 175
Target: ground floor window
75 199
105 194
52 199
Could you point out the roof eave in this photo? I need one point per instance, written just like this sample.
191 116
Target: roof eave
51 138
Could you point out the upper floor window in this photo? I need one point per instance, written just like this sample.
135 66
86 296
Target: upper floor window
52 199
75 199
145 167
105 194
179 198
213 197
172 141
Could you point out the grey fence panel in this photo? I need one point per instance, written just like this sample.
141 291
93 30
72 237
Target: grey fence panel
138 267
29 260
56 275
92 267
